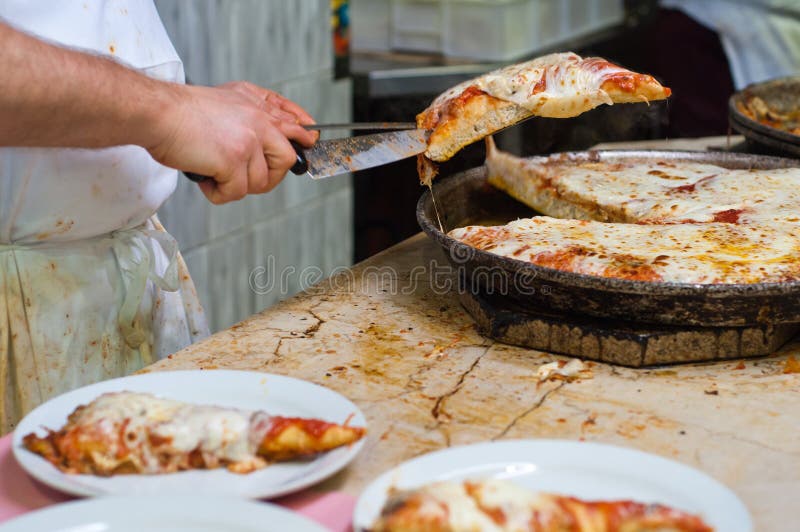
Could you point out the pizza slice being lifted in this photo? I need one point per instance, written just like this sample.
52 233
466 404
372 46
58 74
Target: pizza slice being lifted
500 506
560 85
129 432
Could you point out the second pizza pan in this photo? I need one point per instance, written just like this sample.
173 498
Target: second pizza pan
782 95
466 198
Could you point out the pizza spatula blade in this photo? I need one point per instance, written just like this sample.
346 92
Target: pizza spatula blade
339 156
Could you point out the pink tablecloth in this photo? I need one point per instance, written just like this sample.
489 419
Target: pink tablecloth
19 493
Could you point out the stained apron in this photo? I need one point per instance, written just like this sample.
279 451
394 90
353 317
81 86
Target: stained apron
91 285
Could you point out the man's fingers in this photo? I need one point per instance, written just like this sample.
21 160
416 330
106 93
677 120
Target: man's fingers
251 88
274 99
297 132
224 189
258 174
247 88
289 106
209 189
302 116
234 189
277 106
279 154
280 114
250 92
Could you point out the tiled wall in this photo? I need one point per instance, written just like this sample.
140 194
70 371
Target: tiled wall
300 229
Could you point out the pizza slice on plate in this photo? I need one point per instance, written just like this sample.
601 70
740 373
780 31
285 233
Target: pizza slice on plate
702 253
129 432
560 85
499 506
645 191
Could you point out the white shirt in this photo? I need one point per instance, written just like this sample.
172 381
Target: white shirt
50 194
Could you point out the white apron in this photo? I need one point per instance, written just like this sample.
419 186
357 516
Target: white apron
91 286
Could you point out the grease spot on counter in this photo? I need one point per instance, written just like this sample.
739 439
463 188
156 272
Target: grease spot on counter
589 422
631 430
791 365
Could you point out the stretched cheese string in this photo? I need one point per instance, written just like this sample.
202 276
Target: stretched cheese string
436 209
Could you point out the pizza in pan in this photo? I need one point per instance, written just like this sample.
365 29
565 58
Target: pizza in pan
646 220
559 85
129 432
499 506
645 191
702 253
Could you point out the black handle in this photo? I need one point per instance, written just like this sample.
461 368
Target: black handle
197 178
300 166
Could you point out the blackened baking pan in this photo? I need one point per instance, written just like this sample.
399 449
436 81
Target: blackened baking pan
466 198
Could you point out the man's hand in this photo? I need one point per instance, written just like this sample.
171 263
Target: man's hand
237 134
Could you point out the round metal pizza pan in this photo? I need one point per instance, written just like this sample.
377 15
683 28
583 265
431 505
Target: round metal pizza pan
466 198
783 95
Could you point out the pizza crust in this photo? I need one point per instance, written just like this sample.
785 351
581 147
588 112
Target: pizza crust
478 116
558 85
645 191
534 187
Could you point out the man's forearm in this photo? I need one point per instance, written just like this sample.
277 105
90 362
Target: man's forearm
53 96
237 134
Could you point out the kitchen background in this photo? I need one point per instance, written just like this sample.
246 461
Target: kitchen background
368 60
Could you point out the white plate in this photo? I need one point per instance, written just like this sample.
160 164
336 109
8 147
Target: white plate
240 389
581 469
171 513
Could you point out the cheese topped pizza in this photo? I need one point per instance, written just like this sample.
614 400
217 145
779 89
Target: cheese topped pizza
559 85
646 191
500 506
705 253
130 432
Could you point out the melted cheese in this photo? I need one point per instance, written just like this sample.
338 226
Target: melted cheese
648 192
679 253
515 504
559 85
219 433
556 85
451 502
